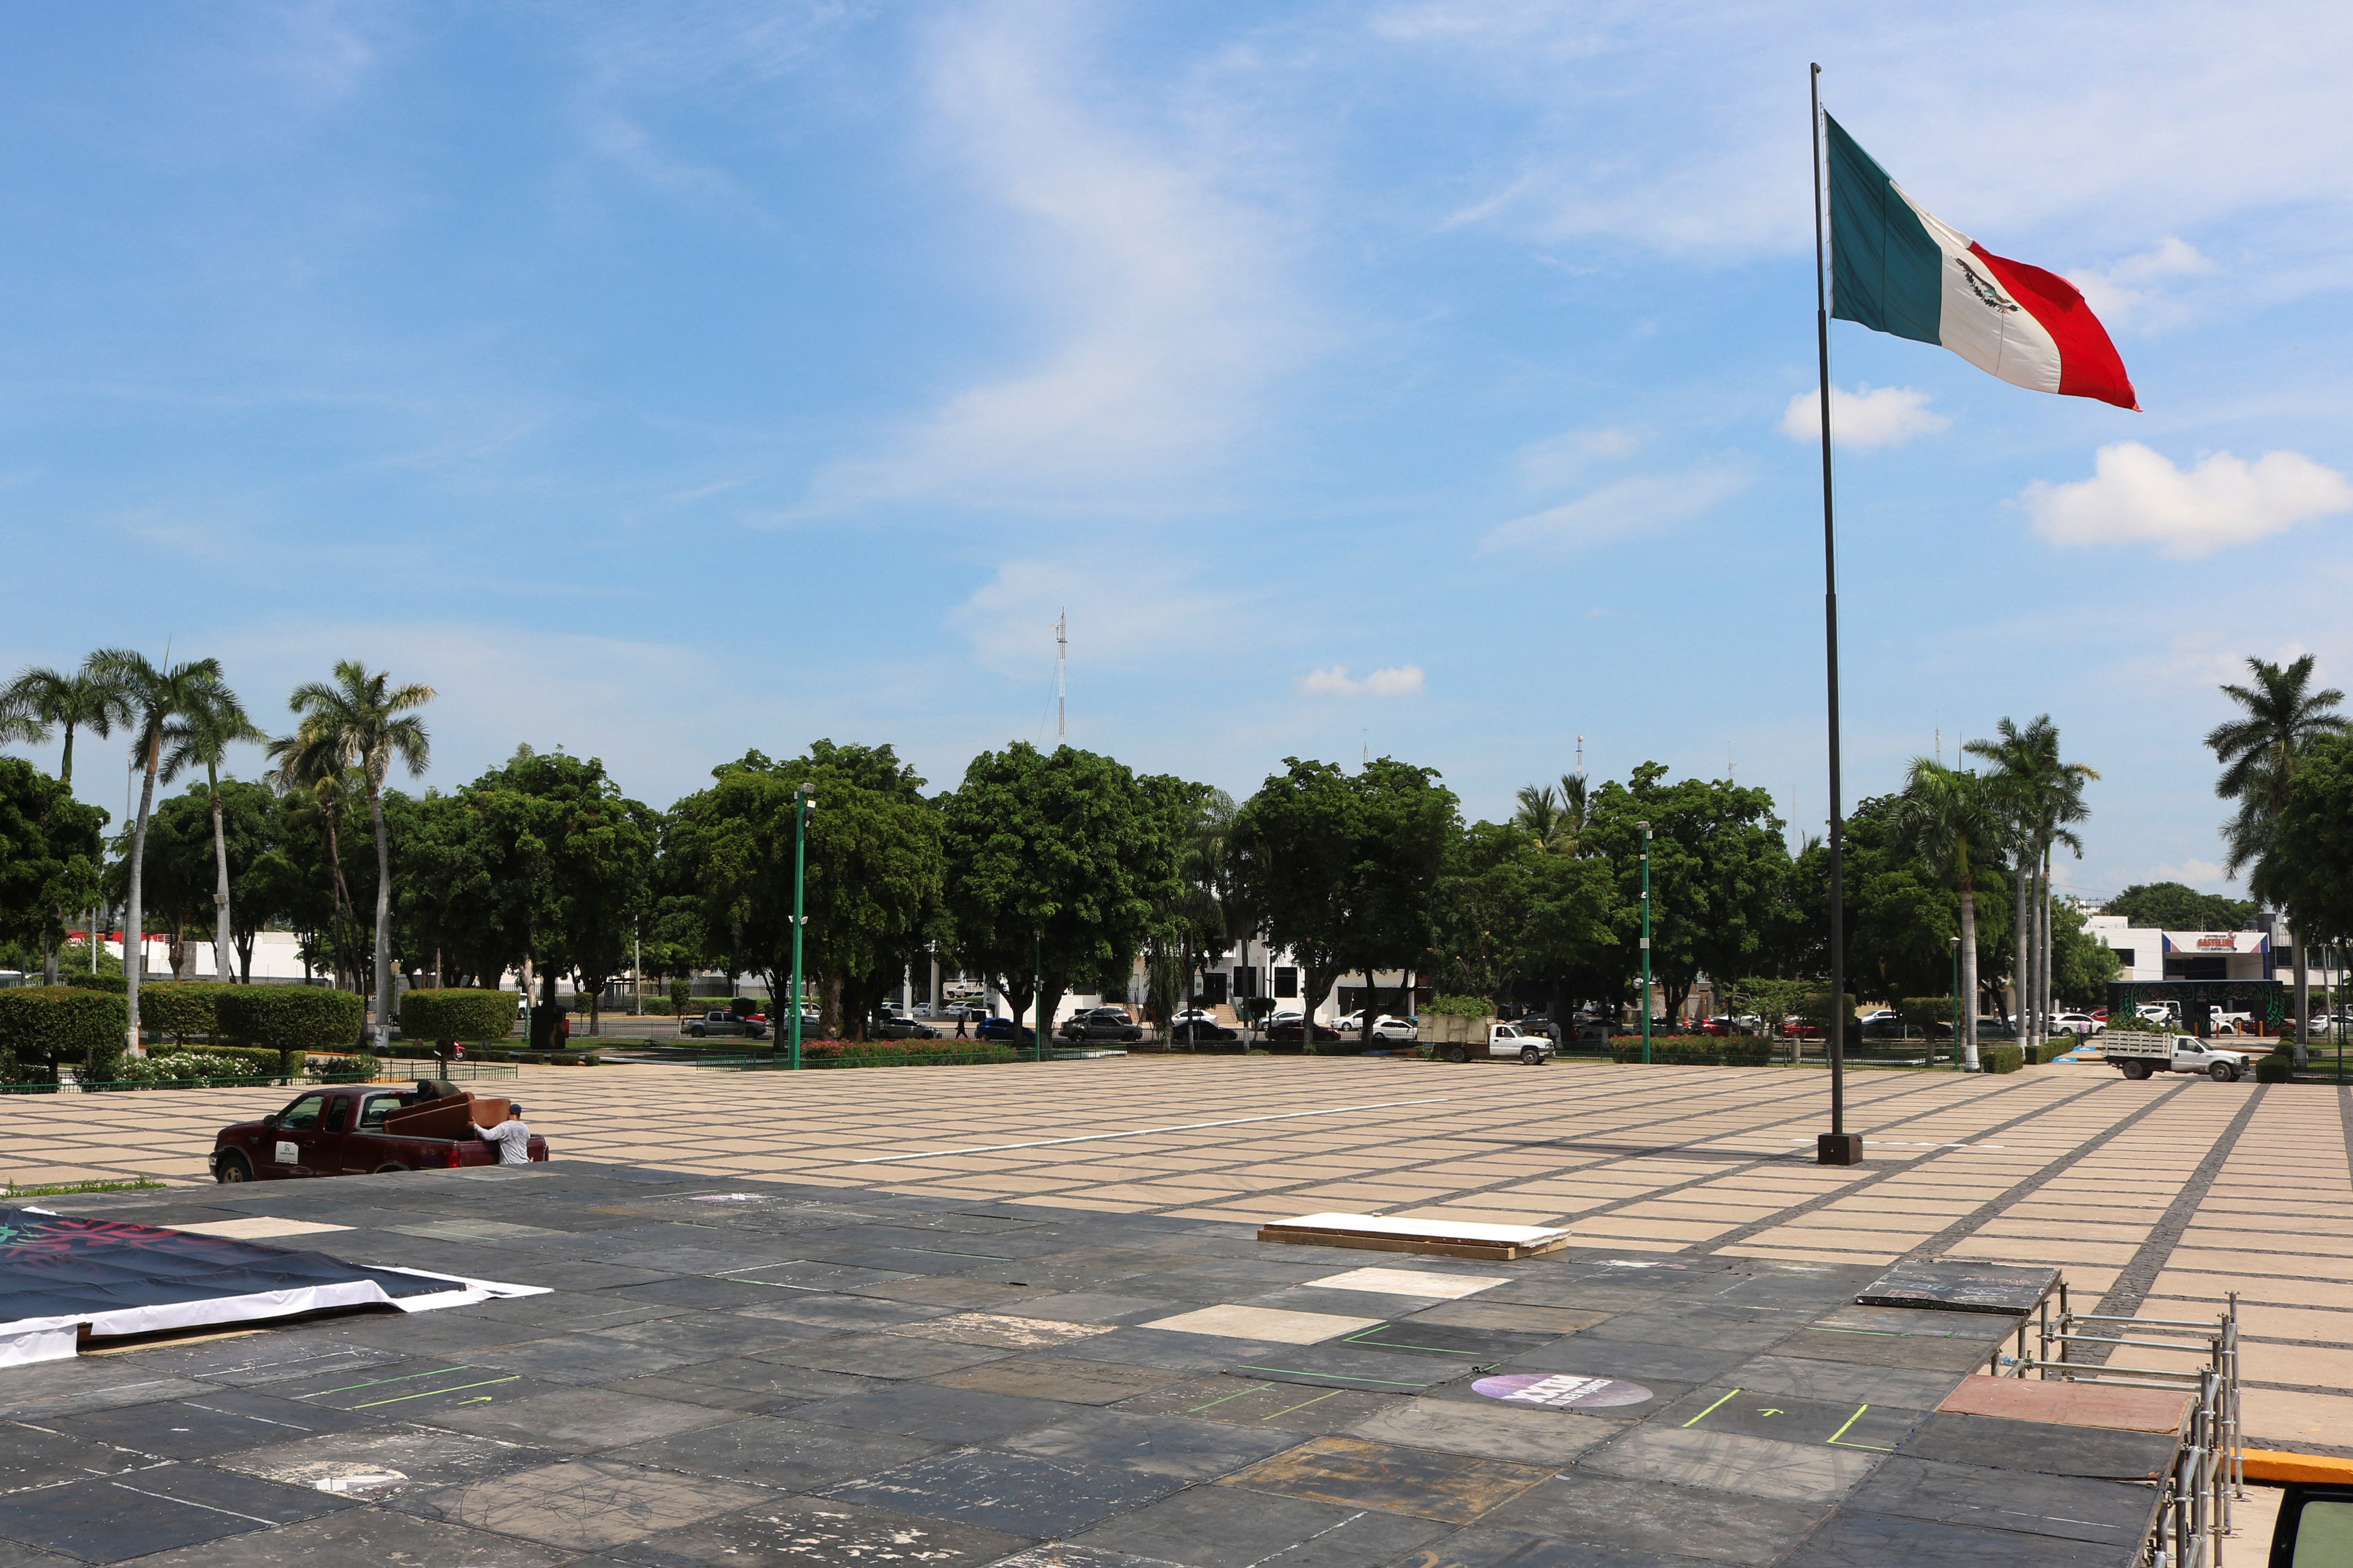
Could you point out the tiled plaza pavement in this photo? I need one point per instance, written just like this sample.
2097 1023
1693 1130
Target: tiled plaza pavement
753 1375
2161 1195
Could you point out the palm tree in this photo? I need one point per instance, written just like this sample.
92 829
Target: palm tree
1552 819
38 698
2038 798
361 722
204 734
2260 753
156 696
1952 822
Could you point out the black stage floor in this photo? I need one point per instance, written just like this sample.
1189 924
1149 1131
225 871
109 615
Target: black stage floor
756 1376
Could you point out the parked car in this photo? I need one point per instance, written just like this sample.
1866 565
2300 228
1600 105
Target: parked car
996 1028
1284 1029
1385 1027
1103 1024
1112 1012
1595 1029
724 1023
890 1029
2138 1052
2077 1023
1199 1031
1192 1016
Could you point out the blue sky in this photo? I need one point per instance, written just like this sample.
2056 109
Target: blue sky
659 382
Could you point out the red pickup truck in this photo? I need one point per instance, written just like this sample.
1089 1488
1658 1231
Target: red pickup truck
339 1130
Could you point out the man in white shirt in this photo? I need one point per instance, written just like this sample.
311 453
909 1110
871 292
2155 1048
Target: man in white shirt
512 1138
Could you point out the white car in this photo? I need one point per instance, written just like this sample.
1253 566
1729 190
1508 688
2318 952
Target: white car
2077 1023
1385 1027
1192 1016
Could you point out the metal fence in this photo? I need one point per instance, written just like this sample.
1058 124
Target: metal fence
2210 1472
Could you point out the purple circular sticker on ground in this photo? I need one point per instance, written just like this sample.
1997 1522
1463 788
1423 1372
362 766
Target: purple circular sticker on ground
1561 1390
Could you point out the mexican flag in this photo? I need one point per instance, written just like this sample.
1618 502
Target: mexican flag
1896 269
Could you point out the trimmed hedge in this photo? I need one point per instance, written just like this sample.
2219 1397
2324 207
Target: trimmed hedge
291 1019
179 1007
2000 1057
900 1053
1460 1007
456 1014
2275 1067
1695 1050
86 981
50 1026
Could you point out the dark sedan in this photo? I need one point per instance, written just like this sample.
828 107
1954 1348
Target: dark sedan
1289 1030
996 1028
891 1029
1193 1032
1100 1026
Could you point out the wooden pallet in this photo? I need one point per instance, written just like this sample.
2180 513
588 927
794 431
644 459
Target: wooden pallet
1431 1238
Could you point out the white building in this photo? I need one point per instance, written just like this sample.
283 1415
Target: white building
2146 954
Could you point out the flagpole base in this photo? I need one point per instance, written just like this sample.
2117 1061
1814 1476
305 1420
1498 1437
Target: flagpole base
1838 1149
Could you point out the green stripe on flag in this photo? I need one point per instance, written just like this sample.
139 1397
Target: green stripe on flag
1885 271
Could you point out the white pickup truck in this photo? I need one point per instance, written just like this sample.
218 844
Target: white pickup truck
1505 1041
2137 1053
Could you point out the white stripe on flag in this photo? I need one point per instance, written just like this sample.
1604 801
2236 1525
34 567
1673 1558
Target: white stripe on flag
1979 319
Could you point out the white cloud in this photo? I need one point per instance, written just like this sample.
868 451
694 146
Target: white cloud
2136 496
1634 506
1161 294
2205 876
1010 619
1559 459
2130 293
1866 419
1398 680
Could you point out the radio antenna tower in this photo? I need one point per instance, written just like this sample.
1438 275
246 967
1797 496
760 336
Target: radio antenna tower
1061 675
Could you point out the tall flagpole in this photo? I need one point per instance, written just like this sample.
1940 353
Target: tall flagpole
1838 1146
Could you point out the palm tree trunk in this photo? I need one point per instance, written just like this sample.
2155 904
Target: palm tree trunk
220 882
383 919
134 942
2021 973
2049 1005
1968 977
65 763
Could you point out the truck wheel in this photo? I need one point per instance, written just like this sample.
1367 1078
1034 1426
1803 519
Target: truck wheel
388 1168
1531 1056
1458 1054
697 1031
2221 1072
2136 1070
233 1167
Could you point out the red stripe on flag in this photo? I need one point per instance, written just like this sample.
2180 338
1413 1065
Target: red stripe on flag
2089 365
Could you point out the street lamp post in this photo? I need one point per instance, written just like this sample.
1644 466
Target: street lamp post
1038 1010
804 802
1646 941
1956 998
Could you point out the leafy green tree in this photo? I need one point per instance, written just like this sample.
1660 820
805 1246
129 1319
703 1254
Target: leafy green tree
2082 965
1192 917
2314 845
174 875
2261 752
361 723
1719 869
38 698
1950 820
158 695
2176 906
48 854
1510 911
1343 869
1054 864
873 866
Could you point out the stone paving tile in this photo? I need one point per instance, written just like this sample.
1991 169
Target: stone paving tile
582 1505
1017 1494
364 1535
1455 1488
1222 1527
787 1533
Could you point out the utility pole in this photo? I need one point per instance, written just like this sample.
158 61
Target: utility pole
1061 675
1646 941
803 804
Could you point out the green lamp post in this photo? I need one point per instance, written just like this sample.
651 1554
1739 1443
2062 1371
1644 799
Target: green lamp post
1646 941
804 802
1956 998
